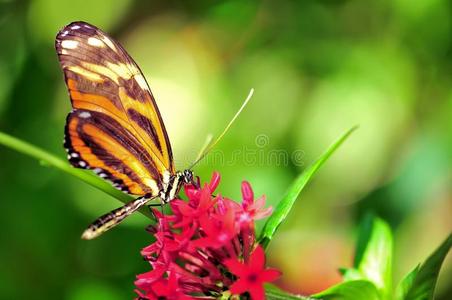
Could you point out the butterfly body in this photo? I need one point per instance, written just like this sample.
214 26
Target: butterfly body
172 187
115 128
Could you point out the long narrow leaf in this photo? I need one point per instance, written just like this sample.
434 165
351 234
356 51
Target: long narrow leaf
51 160
350 290
375 261
420 284
364 236
274 293
406 284
285 205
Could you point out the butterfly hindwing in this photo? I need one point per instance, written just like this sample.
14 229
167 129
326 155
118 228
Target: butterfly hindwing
115 127
96 141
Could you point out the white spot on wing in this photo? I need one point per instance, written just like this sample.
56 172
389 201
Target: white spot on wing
73 154
141 82
75 27
95 42
109 43
84 115
69 44
82 164
65 33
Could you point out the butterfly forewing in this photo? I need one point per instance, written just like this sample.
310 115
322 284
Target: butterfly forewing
115 127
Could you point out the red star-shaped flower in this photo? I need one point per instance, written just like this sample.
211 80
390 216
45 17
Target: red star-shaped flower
250 209
252 275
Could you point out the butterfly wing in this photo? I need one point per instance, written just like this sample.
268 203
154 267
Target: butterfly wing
115 127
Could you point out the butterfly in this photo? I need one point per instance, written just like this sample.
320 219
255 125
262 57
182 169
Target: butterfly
115 127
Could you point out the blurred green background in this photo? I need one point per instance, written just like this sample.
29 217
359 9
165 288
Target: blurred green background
318 68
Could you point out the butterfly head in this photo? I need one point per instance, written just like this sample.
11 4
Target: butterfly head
174 183
187 177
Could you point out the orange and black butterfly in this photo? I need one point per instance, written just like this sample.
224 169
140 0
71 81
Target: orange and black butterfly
115 128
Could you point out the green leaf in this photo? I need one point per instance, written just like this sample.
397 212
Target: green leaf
374 255
365 233
285 205
274 293
350 274
350 290
420 283
47 159
406 284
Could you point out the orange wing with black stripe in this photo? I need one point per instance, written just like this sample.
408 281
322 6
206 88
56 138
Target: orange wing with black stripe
115 127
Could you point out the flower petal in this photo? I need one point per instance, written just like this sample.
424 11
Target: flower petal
146 279
235 267
205 201
257 292
263 213
239 287
247 194
257 259
269 275
260 202
185 209
214 181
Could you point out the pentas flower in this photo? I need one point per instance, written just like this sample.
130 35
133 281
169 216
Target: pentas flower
251 209
252 274
206 249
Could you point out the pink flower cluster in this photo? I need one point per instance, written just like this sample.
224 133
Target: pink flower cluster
207 248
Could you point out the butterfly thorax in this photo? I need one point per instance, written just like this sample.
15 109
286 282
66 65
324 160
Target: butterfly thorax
173 183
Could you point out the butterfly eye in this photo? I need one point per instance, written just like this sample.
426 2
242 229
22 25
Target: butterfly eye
188 176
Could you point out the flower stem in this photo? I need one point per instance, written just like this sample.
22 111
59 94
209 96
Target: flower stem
52 160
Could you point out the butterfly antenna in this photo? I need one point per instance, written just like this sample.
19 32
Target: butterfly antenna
209 146
203 148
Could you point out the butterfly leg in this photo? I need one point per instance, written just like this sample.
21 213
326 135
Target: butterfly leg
161 228
149 206
154 229
113 218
